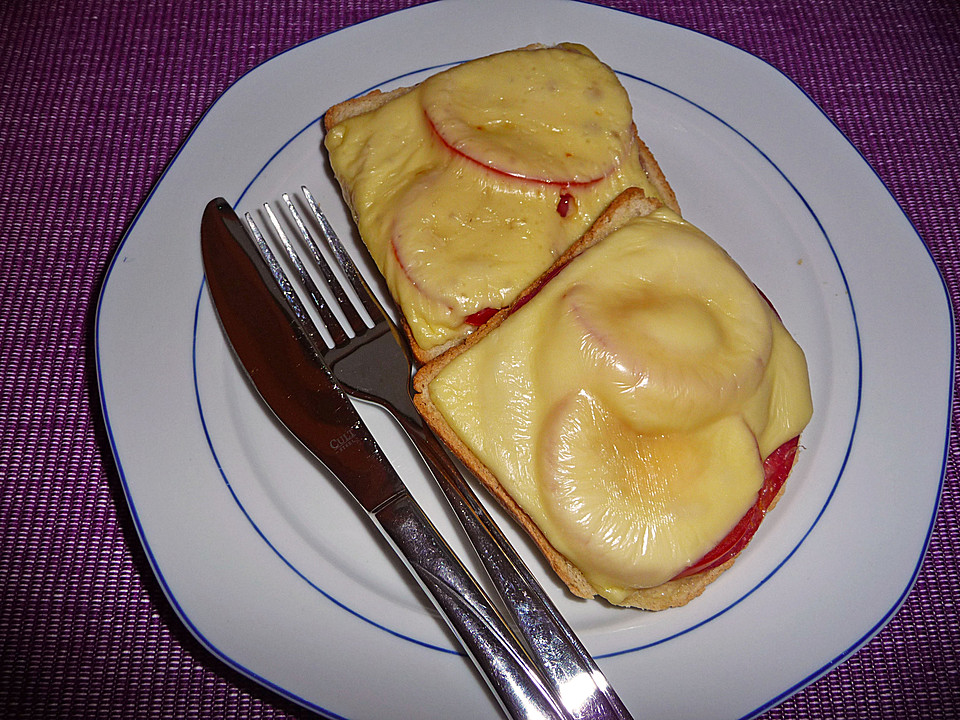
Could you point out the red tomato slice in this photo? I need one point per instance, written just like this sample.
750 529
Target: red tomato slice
776 468
506 172
480 316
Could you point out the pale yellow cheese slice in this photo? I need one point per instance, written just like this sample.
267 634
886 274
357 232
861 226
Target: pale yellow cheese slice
467 187
628 405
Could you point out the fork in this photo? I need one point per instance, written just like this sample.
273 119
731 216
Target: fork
373 362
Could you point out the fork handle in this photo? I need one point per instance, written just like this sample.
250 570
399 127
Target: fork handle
467 610
563 660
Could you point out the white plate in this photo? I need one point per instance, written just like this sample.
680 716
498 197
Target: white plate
272 568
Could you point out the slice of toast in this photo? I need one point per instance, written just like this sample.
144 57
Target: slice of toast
630 204
375 100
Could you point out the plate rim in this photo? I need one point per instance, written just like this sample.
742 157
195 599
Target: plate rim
129 232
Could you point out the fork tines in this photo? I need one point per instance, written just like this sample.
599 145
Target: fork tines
351 320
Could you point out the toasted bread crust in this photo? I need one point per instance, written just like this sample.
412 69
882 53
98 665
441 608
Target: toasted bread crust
652 168
360 105
674 593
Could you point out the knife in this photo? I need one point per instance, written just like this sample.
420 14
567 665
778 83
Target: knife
275 340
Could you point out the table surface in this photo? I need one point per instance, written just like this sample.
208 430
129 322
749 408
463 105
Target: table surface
95 99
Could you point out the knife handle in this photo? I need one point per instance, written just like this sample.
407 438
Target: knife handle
468 611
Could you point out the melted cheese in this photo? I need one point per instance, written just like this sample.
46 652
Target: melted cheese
455 185
628 405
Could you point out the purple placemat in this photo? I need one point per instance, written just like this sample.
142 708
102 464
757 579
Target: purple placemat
96 97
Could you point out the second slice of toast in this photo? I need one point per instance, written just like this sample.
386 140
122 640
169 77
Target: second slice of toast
786 370
455 229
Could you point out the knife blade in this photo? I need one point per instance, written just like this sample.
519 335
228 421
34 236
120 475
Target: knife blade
276 342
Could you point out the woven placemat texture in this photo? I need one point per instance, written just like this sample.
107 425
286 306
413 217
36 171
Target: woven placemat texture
95 97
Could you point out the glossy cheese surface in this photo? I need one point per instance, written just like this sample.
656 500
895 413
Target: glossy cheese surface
628 406
469 185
